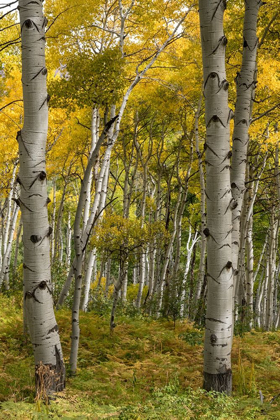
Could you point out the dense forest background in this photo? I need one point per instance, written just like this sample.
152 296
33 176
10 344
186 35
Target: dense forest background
126 180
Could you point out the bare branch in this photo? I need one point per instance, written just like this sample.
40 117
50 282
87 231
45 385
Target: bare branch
265 113
5 106
8 5
267 29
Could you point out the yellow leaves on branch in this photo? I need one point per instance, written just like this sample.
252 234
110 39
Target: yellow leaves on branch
116 232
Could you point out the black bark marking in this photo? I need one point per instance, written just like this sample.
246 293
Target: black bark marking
228 266
19 182
253 84
230 115
27 268
60 371
45 22
35 239
42 286
243 121
31 295
227 192
228 156
221 3
216 320
48 201
46 101
39 163
41 177
225 85
206 146
213 339
206 232
224 246
53 329
228 233
49 231
207 196
222 42
21 203
19 137
28 23
212 75
16 200
215 118
43 70
246 45
225 167
35 195
237 139
209 275
232 205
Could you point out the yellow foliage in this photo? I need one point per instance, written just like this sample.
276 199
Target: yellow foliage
100 287
132 292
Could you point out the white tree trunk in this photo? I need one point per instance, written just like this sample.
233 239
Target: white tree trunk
68 241
52 243
33 202
218 329
190 246
90 265
17 245
8 217
245 86
201 274
5 271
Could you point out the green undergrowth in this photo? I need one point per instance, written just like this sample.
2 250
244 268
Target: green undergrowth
145 369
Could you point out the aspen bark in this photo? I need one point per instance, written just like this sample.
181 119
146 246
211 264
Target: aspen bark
68 241
8 218
201 274
245 86
33 202
190 246
17 245
273 243
218 328
5 271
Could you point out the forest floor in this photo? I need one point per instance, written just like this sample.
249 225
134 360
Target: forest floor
146 369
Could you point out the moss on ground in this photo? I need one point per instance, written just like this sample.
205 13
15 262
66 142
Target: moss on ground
145 369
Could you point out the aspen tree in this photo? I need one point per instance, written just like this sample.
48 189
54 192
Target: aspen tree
218 328
245 85
33 201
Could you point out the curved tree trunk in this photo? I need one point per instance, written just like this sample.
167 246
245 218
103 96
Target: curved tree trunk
42 326
218 329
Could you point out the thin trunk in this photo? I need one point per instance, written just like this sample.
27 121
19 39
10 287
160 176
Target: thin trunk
5 271
201 273
18 239
52 241
190 246
274 227
88 278
68 241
